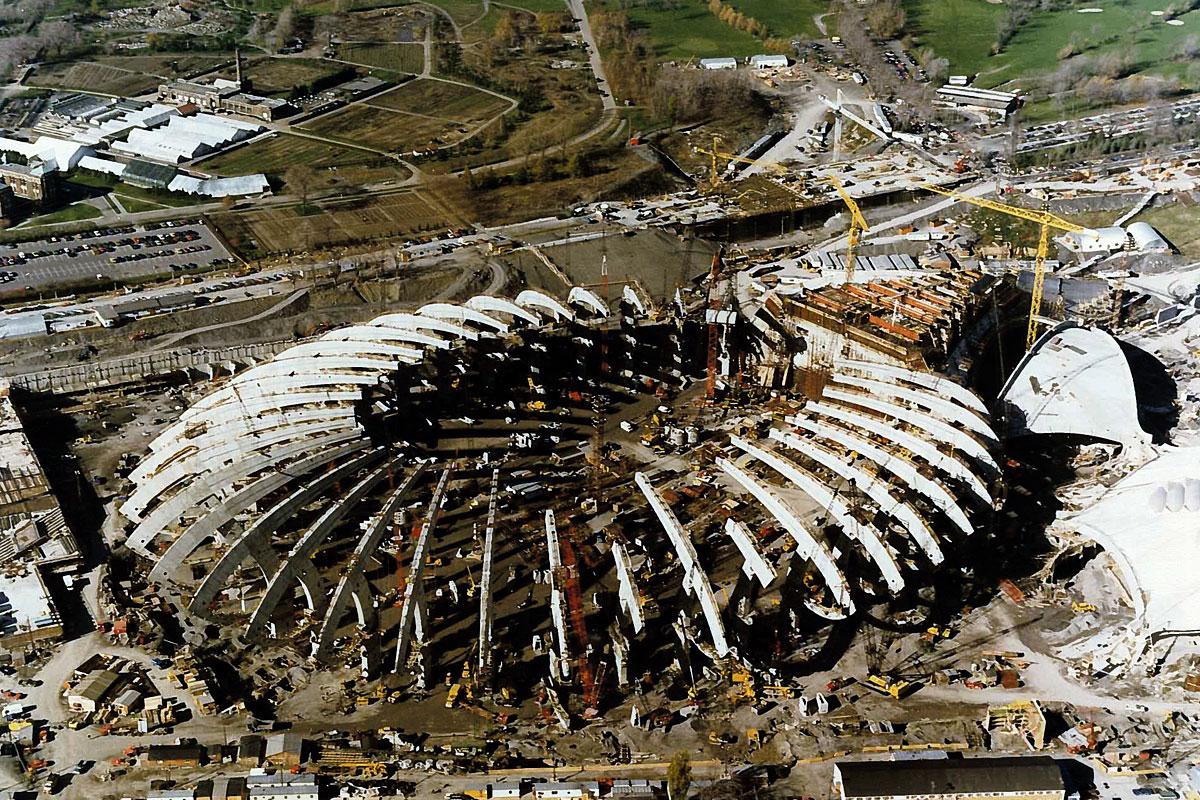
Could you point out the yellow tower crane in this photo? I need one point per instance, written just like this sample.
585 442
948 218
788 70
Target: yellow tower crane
716 153
1046 221
858 225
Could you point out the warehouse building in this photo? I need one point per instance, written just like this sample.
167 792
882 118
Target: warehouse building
1017 778
718 63
988 101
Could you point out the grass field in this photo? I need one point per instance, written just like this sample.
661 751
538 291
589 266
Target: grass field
535 5
71 213
784 19
440 99
124 75
278 76
93 77
335 165
396 57
274 230
463 11
1177 222
381 129
690 30
963 32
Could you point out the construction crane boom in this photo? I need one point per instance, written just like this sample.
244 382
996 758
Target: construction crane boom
858 226
716 153
1045 220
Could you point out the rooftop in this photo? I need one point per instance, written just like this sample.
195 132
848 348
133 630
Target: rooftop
951 776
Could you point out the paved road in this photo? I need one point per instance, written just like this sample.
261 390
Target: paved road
585 27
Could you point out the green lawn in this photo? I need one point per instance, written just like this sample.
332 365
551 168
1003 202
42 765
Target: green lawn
133 205
408 58
71 213
535 5
784 18
688 31
963 32
1177 222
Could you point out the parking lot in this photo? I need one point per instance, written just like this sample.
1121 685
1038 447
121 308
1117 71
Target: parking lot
119 253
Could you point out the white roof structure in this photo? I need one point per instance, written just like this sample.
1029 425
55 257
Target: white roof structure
1149 522
59 153
184 138
718 63
95 164
1098 240
1147 239
118 121
1074 380
768 61
239 186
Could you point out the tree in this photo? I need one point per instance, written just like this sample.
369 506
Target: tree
679 776
886 18
300 179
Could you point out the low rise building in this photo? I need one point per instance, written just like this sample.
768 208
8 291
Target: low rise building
175 755
94 691
35 181
1013 778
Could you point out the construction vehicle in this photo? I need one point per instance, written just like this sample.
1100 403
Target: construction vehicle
1045 220
753 741
1084 608
937 633
887 685
721 738
858 226
453 695
742 689
778 692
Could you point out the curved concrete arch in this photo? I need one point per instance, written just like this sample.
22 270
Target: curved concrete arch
877 490
947 410
313 365
298 566
937 494
947 464
192 460
274 387
255 540
322 349
486 303
462 314
214 484
808 547
236 407
382 333
929 380
533 299
582 296
425 323
207 525
187 427
867 536
352 583
247 433
947 434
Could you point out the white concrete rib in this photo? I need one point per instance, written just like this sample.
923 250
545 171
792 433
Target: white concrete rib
872 487
808 548
865 534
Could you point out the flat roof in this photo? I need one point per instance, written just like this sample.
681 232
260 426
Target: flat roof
24 603
950 776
